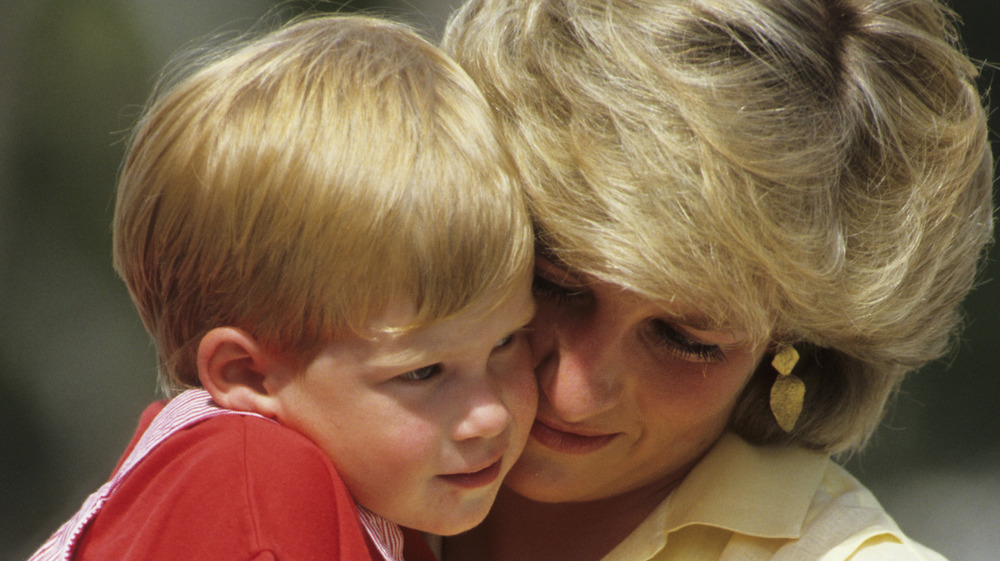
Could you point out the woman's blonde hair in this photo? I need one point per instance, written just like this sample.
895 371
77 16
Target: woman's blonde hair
812 172
294 184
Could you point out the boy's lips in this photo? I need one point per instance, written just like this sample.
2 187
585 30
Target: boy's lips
568 441
475 479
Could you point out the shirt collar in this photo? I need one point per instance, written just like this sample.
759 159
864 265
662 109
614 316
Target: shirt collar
754 490
735 481
386 535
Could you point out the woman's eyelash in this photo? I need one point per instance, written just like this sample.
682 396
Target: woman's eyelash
683 346
551 291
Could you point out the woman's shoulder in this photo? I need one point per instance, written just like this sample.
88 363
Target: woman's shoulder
888 549
847 522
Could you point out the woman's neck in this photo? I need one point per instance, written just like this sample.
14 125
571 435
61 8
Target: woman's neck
519 529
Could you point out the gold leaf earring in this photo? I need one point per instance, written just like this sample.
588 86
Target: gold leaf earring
788 391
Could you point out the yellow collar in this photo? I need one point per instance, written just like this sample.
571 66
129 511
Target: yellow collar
757 491
753 490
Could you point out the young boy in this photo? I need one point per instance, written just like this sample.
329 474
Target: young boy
327 242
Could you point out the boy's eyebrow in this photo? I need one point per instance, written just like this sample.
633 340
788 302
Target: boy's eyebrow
405 356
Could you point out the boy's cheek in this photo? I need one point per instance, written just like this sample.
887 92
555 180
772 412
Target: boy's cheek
397 454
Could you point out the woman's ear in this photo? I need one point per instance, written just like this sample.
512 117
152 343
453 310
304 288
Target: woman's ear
238 372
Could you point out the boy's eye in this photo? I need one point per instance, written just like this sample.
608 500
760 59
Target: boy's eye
421 374
664 334
511 338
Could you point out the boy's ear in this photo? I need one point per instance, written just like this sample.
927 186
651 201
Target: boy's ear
238 372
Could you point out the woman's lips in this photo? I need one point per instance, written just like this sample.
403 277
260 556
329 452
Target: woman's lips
568 442
475 479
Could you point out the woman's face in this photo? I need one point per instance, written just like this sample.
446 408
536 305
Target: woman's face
632 392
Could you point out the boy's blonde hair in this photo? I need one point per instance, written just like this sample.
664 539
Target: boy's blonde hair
813 172
295 184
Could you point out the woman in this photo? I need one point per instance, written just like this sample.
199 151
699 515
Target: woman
754 218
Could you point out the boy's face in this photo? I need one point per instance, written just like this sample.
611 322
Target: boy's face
424 426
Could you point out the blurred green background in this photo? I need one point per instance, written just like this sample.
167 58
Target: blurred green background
76 368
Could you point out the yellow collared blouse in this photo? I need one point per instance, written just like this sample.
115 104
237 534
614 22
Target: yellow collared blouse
750 503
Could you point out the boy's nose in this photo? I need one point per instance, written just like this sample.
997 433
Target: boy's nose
485 415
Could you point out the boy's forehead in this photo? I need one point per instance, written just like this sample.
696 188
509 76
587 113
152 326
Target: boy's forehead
389 345
430 343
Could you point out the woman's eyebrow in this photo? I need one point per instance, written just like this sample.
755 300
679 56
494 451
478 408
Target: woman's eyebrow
546 253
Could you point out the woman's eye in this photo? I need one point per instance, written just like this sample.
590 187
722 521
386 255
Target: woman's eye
556 293
421 374
682 346
504 342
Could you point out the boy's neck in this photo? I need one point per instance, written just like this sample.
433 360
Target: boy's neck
519 529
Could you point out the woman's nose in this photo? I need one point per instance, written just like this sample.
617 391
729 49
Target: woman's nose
579 366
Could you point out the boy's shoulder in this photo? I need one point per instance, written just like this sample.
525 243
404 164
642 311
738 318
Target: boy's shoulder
230 483
232 446
248 447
